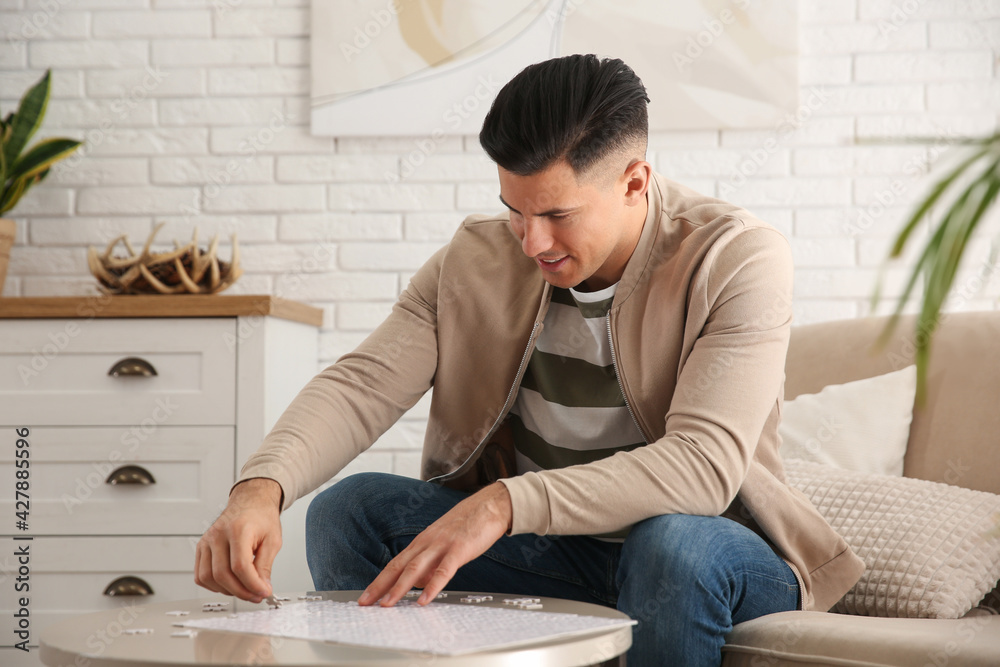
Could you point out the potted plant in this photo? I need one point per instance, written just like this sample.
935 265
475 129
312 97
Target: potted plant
22 167
966 193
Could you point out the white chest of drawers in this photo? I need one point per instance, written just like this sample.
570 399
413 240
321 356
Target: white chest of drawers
137 413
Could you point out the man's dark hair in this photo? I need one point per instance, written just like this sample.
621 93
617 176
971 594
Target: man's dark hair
578 107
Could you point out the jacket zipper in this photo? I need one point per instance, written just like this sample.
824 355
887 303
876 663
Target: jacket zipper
503 411
621 385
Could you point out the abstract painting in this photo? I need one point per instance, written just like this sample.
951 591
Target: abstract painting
432 67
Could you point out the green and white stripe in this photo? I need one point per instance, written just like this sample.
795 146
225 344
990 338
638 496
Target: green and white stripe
570 409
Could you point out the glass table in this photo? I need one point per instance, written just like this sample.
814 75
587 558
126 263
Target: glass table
106 639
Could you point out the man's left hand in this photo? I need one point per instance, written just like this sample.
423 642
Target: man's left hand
434 556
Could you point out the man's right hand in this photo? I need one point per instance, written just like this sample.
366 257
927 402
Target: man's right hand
235 554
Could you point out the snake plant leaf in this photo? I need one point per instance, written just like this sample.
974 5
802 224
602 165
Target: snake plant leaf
22 167
42 155
28 118
12 193
18 188
5 131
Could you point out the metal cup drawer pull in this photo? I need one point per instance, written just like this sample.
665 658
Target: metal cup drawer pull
130 475
132 367
128 586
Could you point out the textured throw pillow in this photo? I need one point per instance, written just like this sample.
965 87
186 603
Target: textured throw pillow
932 550
862 425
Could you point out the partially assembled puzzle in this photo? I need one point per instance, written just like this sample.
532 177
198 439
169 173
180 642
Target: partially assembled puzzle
440 628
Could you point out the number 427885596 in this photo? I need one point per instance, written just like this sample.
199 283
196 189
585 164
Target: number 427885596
22 474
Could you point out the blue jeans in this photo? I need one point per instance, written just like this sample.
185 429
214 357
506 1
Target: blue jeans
685 579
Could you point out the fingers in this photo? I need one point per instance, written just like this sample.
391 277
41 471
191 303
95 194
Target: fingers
392 583
236 553
416 574
203 567
241 577
381 588
229 560
434 556
417 566
442 575
264 559
226 575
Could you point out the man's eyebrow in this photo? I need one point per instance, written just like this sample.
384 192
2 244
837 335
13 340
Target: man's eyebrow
508 205
543 214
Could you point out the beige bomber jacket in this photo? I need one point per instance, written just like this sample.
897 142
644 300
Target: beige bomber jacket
699 329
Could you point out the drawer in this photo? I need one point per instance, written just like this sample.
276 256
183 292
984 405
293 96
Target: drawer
191 470
70 574
56 372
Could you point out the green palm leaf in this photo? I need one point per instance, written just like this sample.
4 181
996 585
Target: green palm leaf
941 256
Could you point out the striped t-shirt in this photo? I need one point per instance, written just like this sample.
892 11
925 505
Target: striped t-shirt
570 408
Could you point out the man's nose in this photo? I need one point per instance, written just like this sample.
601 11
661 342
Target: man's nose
537 238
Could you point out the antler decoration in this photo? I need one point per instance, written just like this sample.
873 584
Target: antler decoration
186 269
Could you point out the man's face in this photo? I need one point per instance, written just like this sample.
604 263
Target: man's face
579 233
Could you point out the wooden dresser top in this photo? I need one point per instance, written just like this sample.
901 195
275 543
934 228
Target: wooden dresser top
159 305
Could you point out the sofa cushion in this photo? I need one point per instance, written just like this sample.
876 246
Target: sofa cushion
953 437
800 638
861 425
932 550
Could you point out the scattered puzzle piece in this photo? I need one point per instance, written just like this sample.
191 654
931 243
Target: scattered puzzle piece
522 601
214 606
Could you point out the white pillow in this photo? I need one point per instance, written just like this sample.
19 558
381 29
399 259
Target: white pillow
862 425
931 550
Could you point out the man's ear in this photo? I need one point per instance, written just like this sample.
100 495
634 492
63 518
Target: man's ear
637 176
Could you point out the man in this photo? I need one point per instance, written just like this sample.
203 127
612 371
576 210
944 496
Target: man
607 360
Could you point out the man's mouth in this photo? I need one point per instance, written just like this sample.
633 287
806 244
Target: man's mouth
551 264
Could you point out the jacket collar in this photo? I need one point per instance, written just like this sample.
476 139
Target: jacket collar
639 262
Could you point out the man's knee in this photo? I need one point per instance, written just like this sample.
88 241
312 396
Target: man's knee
344 497
694 548
678 546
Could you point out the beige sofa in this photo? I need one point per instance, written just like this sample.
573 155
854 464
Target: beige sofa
954 438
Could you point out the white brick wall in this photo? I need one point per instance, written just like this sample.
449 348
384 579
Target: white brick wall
196 112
